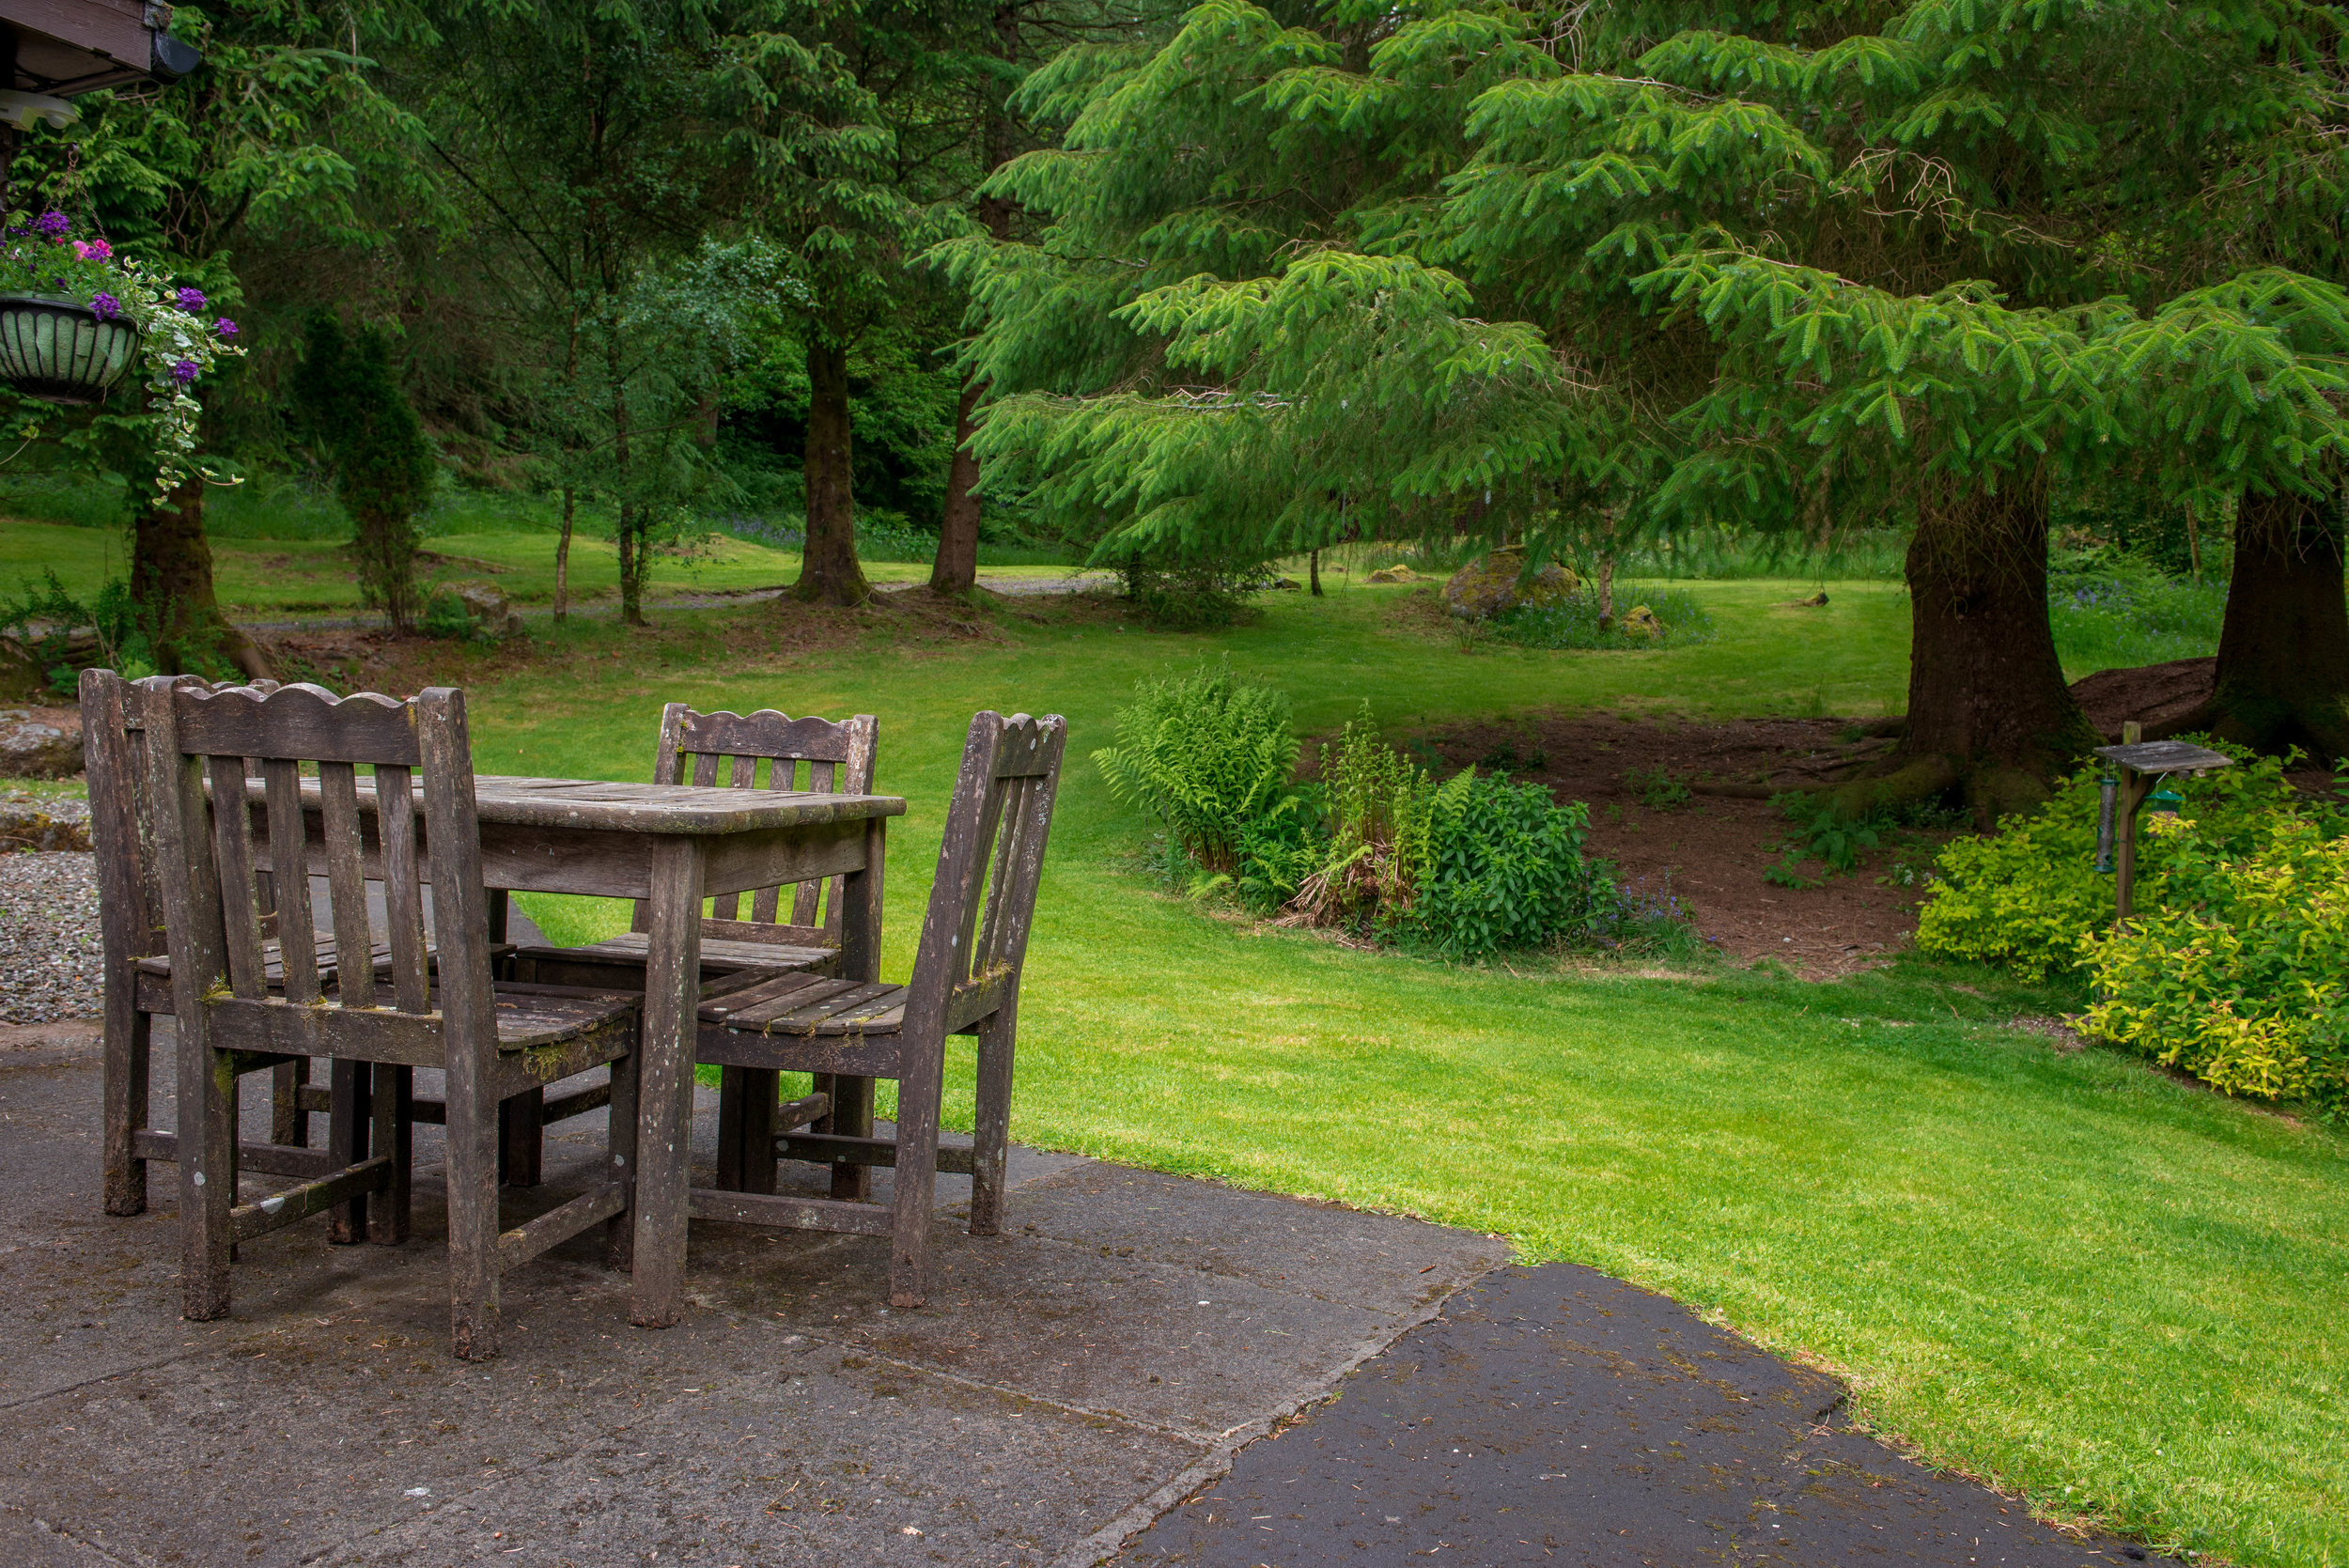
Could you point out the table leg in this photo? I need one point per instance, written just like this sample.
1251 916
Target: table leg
666 1125
859 959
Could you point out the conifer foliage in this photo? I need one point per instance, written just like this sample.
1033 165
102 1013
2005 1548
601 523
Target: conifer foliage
349 394
1559 272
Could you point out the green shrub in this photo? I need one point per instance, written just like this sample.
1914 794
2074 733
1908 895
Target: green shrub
2241 976
1206 753
126 644
1573 623
2026 897
1378 837
1504 868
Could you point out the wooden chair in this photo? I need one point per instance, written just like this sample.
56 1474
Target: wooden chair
136 985
489 1040
780 937
966 981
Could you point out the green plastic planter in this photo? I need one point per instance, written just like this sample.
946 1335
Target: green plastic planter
59 351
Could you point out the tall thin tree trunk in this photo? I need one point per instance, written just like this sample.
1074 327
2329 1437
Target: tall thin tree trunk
1988 705
1313 571
829 573
2283 653
171 583
956 569
563 557
632 518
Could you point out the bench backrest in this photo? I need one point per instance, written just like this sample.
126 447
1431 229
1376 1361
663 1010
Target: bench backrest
974 938
795 753
310 746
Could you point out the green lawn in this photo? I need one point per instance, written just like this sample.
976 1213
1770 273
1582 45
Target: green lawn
2119 1293
262 578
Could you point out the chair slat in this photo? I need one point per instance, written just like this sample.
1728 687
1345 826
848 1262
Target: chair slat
232 852
346 883
973 897
403 894
289 853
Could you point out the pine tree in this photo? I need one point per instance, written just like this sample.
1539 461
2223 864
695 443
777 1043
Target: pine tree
350 400
1561 270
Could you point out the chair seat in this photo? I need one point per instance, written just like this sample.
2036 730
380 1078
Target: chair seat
809 1005
531 1017
719 956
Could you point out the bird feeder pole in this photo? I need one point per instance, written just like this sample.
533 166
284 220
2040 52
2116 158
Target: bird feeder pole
2139 765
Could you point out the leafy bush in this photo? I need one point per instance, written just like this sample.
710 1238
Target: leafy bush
1191 596
1206 752
1573 623
124 641
2241 975
1378 840
2026 898
1504 868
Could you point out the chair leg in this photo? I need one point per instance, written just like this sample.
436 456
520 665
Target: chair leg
991 1126
289 1124
208 1175
522 1139
923 1064
393 1113
349 1118
127 1033
756 1167
473 1210
731 1099
619 1232
852 1117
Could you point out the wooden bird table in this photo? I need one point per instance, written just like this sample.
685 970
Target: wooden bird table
2139 765
672 845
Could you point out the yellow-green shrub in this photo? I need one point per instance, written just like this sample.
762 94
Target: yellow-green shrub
2026 896
2239 977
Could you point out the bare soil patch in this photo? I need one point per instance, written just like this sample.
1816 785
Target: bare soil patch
1710 851
2153 694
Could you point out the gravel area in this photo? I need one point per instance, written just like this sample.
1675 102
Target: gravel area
50 959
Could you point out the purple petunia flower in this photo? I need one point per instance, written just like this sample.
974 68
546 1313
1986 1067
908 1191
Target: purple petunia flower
184 371
94 250
190 300
106 306
56 225
227 329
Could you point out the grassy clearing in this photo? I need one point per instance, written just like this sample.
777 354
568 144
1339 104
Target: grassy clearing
2068 1273
259 577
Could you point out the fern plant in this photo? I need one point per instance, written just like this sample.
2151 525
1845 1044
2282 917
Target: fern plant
1207 753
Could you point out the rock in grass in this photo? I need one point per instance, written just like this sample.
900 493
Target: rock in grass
1393 574
1489 586
30 823
44 745
1640 622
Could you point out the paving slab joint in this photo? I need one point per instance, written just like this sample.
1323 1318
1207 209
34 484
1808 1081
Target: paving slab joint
1111 1539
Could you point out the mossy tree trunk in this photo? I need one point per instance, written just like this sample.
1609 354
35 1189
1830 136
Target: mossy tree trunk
171 583
1989 711
2283 652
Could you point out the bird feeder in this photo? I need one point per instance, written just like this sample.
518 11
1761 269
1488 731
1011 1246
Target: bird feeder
2139 777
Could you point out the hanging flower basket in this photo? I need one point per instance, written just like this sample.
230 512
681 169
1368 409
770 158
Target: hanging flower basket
61 351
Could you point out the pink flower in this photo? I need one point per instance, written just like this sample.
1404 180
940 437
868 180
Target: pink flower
93 249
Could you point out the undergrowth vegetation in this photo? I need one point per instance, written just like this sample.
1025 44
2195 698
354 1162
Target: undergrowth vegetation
1645 618
1376 848
2114 609
2234 966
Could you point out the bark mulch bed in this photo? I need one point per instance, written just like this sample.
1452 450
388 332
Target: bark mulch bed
1710 850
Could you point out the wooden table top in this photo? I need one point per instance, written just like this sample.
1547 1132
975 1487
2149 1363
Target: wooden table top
614 806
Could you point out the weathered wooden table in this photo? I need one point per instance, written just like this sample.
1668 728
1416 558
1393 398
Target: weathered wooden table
674 845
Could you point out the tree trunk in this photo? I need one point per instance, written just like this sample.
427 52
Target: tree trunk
631 516
2283 653
829 573
563 557
1988 705
1313 571
957 568
171 583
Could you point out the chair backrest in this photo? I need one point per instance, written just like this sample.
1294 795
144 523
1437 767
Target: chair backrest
797 753
114 754
206 852
976 936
